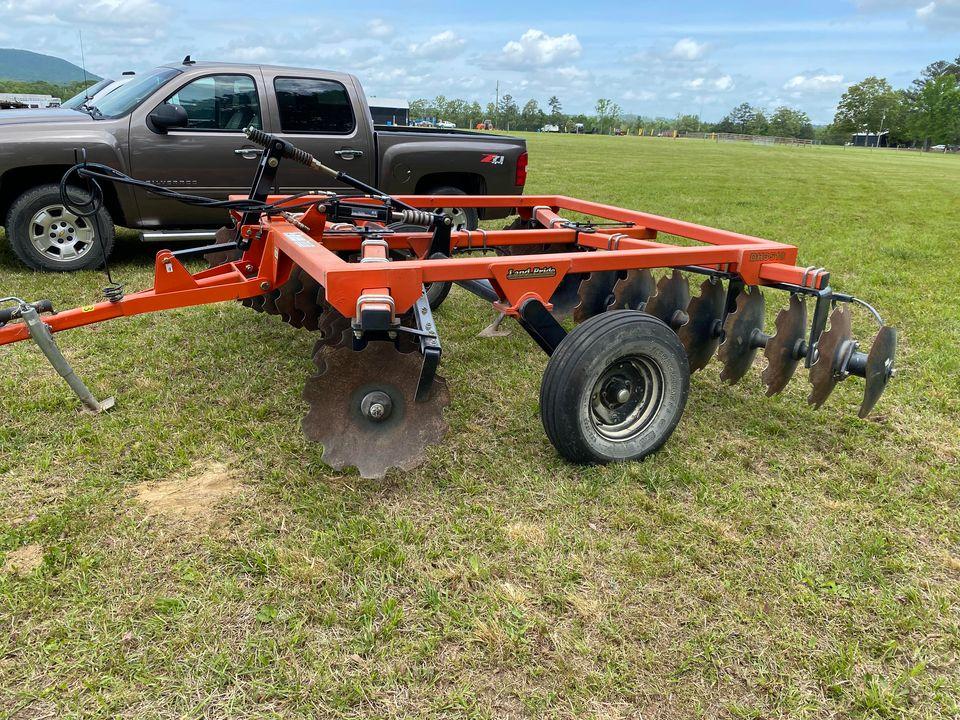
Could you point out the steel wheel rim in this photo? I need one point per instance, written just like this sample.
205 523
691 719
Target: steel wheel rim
626 398
60 235
459 217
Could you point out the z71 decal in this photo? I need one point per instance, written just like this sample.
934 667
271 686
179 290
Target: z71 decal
493 159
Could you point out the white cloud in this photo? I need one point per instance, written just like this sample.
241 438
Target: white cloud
722 83
943 15
687 49
379 29
445 44
93 12
814 82
537 49
571 73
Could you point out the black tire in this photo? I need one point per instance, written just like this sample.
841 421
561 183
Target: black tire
40 209
622 350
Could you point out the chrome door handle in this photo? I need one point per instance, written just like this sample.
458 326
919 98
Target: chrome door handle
348 153
248 153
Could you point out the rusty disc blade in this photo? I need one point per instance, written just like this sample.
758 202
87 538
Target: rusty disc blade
740 331
311 301
633 290
782 350
670 301
879 368
824 374
352 439
565 298
285 302
700 335
224 235
595 294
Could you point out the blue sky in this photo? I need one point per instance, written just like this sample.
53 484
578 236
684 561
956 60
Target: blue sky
653 58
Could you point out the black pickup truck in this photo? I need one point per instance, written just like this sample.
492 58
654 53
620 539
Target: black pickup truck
180 126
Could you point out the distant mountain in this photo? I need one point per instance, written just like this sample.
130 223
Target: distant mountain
26 66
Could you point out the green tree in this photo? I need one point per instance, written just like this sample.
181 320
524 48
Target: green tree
509 112
556 110
531 117
868 105
608 113
935 115
791 123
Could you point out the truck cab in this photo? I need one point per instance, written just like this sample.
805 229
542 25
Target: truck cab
181 125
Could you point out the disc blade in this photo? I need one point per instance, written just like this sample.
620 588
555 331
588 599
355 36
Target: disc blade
224 235
595 294
566 297
740 329
670 301
823 373
700 335
310 300
633 290
782 349
879 368
285 302
350 438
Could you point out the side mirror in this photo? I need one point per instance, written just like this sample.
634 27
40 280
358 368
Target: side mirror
166 117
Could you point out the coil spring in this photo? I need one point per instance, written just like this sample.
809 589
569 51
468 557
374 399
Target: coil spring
113 292
417 217
258 136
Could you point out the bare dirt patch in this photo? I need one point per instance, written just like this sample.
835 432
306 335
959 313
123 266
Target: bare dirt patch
23 561
195 497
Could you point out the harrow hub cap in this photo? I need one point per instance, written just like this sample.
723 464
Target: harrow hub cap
626 398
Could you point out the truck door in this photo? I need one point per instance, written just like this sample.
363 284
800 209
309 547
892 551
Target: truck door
210 156
319 116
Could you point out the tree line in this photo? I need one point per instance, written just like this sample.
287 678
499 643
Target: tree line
64 92
926 113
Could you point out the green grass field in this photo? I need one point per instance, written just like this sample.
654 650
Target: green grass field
189 555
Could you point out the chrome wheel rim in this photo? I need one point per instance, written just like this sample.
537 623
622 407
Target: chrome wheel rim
626 398
60 235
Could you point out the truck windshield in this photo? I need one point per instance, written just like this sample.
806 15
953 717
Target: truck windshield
83 97
122 101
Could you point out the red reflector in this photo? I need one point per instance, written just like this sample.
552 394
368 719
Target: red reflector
521 178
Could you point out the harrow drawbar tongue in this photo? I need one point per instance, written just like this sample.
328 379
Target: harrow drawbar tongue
364 274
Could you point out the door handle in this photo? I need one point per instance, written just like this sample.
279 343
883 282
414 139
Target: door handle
348 153
248 153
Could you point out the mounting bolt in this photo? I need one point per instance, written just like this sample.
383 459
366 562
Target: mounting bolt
273 162
376 406
249 269
264 286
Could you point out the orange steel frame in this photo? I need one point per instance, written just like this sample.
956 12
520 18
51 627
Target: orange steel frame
352 287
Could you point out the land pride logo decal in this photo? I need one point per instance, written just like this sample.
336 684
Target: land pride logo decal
531 272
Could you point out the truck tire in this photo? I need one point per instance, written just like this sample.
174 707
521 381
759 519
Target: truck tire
463 218
45 235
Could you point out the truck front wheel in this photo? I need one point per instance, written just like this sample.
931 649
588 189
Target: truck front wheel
45 235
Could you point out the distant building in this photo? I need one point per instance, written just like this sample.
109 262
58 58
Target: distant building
869 139
389 111
25 100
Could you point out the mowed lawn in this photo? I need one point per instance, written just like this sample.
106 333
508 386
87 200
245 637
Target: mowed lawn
189 555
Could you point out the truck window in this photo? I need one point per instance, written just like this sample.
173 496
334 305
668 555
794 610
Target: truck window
119 103
313 106
219 102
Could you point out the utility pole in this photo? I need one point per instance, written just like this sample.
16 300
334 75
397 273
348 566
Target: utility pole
881 129
496 106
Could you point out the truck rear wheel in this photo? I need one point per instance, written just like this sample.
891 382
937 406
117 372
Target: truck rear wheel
45 235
